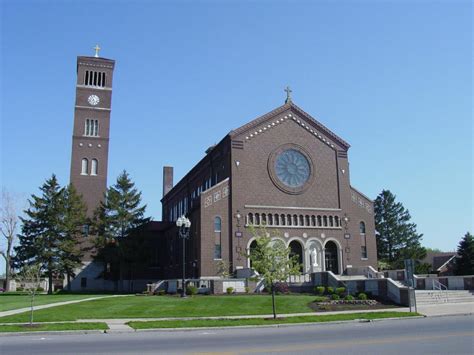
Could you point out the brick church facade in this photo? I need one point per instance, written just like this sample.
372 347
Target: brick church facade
284 170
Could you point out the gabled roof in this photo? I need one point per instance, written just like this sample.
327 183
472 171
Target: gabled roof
303 115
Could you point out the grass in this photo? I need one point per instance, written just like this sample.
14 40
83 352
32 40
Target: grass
168 306
252 321
52 327
9 301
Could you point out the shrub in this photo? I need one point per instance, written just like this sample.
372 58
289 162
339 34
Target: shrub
230 290
19 289
329 290
335 297
191 290
40 289
319 290
320 299
281 287
349 298
362 296
247 289
340 291
162 292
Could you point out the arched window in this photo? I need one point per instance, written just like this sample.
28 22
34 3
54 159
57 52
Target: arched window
277 220
250 219
301 220
362 227
336 221
325 221
264 219
282 220
84 166
94 167
306 221
319 221
313 221
217 238
257 219
288 219
331 223
270 220
295 220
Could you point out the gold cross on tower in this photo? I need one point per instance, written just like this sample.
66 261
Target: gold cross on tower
288 94
97 49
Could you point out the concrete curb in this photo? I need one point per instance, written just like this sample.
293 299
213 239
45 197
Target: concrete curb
230 327
52 332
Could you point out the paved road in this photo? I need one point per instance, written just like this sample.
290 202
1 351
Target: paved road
436 335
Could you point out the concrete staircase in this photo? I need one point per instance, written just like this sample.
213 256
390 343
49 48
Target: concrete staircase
427 297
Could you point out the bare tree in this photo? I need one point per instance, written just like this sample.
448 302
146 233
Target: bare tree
8 226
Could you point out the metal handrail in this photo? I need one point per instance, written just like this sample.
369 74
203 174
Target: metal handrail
440 287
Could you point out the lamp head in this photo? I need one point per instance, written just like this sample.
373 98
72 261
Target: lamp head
180 221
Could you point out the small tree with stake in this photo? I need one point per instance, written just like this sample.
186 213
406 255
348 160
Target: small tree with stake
273 261
30 276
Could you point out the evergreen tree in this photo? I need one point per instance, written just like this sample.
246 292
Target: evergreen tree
114 220
465 261
74 218
397 238
39 241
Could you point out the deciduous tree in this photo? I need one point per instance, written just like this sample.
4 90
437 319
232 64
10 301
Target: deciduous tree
8 229
273 261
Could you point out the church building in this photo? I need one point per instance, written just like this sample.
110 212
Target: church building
284 171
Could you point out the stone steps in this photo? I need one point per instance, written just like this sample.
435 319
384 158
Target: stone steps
438 297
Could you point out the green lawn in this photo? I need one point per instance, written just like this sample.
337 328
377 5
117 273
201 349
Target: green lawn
250 321
167 306
52 326
10 301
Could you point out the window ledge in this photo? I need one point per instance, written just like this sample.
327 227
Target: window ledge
364 258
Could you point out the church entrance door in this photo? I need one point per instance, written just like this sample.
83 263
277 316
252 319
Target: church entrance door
331 257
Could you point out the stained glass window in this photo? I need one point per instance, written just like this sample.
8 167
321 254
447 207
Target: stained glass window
292 168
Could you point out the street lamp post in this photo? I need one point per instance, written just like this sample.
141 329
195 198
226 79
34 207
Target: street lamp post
183 225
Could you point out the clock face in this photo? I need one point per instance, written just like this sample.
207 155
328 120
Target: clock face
93 100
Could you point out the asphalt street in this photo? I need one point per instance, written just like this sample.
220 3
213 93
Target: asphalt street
434 335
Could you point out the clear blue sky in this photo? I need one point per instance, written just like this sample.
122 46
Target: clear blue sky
393 78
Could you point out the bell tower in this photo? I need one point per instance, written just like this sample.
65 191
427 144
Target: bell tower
90 137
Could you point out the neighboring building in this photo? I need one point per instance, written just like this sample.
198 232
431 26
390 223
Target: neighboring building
442 263
285 171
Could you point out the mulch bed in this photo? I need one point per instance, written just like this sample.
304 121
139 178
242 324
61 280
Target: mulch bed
343 305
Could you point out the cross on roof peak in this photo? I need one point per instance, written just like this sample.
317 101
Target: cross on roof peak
97 49
288 94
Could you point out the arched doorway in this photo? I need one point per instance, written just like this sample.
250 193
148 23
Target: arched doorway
252 246
331 257
297 249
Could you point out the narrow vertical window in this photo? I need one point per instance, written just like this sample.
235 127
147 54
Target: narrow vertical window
95 78
362 227
96 128
105 83
94 167
84 166
217 236
86 77
325 221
